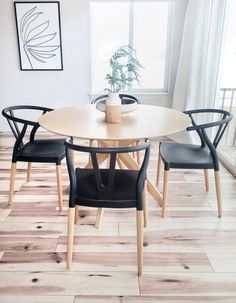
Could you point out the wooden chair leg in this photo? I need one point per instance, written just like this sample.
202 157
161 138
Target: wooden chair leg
165 193
70 236
158 168
145 205
100 213
218 193
76 214
12 181
139 223
206 179
29 171
59 187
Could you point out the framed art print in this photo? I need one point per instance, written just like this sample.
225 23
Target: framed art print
39 35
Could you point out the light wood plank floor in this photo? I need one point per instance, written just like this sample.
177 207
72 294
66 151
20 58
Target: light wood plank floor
190 256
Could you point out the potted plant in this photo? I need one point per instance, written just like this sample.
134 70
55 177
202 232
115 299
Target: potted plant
124 70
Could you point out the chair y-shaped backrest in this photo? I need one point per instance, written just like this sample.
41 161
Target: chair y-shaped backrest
125 99
19 125
221 124
105 188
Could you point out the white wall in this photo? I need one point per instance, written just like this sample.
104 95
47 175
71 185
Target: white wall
50 88
72 85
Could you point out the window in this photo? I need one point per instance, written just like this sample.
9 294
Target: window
229 55
144 25
227 153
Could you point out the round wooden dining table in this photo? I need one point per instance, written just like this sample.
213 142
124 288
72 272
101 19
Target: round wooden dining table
86 122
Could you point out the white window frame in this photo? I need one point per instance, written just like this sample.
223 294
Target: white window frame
169 50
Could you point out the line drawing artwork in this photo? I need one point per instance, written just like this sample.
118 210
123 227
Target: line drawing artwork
38 42
33 38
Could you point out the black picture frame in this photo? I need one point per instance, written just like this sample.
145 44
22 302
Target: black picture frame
38 26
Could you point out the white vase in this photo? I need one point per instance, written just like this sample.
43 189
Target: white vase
113 99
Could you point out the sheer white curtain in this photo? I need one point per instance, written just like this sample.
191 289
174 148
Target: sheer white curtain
197 75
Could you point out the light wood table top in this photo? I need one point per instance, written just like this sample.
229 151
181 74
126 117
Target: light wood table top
86 122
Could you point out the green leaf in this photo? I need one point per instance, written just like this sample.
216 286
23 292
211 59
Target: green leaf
124 69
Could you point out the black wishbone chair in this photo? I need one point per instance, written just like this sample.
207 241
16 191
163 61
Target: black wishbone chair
193 156
106 188
125 99
41 151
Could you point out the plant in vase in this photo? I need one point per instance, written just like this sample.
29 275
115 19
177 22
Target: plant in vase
124 70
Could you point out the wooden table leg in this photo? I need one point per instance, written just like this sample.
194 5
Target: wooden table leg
100 158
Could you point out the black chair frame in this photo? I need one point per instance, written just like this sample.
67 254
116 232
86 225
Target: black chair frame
207 145
8 113
125 98
19 132
201 130
106 188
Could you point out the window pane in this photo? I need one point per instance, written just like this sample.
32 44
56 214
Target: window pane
229 57
150 41
109 31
